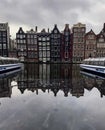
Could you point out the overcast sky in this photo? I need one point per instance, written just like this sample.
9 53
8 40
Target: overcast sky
46 13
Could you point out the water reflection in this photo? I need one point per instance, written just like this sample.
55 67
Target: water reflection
92 81
47 77
37 108
5 88
54 78
5 83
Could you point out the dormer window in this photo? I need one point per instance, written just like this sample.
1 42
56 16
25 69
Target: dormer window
101 36
101 40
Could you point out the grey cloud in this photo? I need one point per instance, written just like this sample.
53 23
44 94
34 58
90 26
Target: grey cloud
31 11
47 12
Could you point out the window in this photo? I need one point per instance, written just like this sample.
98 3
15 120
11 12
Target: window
28 36
48 54
48 48
44 54
55 48
35 36
66 55
44 44
4 34
4 46
24 41
40 43
4 39
55 36
75 34
101 40
48 43
52 35
66 33
32 36
91 37
67 38
48 38
75 30
0 46
39 38
83 29
43 39
44 48
21 36
40 48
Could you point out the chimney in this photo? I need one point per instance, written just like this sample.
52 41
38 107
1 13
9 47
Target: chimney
48 30
104 27
55 25
36 29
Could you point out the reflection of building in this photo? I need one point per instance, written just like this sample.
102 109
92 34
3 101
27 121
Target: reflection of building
55 70
89 83
29 77
49 77
92 82
57 78
5 88
66 71
44 73
44 46
77 88
4 39
31 71
101 87
55 45
77 83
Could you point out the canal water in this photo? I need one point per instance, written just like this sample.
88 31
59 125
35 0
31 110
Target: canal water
52 97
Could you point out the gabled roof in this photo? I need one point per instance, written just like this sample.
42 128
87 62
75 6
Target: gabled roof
100 34
103 28
90 32
43 33
20 30
67 28
55 28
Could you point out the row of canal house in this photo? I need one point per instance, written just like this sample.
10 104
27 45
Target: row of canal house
44 46
95 44
56 46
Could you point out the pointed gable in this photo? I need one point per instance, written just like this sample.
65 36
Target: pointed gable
67 29
101 37
91 32
90 35
55 30
20 31
103 30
